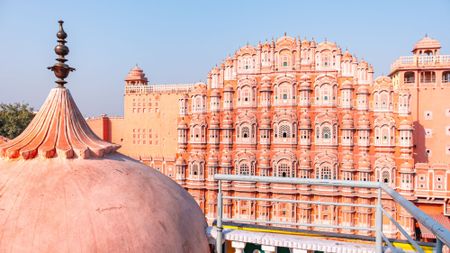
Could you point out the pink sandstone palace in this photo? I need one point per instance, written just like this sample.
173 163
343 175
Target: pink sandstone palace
297 108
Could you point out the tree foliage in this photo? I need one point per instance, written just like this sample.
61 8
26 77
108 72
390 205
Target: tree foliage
14 118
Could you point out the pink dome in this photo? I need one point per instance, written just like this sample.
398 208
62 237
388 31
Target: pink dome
406 125
136 74
214 121
347 160
225 159
364 163
427 43
347 56
347 85
347 121
66 190
215 93
265 120
406 166
305 121
363 122
212 159
182 124
110 203
180 161
264 160
305 160
228 87
362 89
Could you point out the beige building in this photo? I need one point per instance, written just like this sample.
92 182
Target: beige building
147 130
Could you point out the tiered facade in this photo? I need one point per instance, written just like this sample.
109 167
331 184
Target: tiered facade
292 108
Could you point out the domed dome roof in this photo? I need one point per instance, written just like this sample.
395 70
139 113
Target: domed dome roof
406 166
265 79
136 74
214 120
347 121
347 56
363 121
227 121
225 159
305 83
364 163
427 43
305 121
347 158
305 77
362 89
406 125
182 124
212 159
305 160
180 161
228 87
347 85
215 93
265 83
66 190
265 120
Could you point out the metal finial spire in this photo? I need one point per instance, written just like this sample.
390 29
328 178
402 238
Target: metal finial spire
60 69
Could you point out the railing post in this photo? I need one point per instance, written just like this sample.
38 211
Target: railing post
378 224
219 219
438 246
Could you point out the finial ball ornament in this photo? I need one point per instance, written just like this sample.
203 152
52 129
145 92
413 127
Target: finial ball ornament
61 69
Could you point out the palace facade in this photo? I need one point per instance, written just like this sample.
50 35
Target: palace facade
287 108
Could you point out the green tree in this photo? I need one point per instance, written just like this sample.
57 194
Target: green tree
14 118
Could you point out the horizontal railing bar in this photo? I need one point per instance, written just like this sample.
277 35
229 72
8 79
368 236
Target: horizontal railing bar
299 201
298 224
403 231
293 180
437 229
389 244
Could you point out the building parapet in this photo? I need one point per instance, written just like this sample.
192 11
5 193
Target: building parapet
145 89
416 61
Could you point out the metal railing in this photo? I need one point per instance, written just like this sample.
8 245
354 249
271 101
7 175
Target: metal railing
442 234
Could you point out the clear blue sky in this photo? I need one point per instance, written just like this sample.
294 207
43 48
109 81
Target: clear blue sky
179 41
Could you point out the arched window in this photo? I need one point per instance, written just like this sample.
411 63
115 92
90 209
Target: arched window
246 95
325 172
383 102
446 77
245 132
284 92
385 177
196 133
244 169
284 170
285 61
326 133
285 131
195 169
385 135
325 60
409 77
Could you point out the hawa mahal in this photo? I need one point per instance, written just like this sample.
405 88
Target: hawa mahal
297 108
